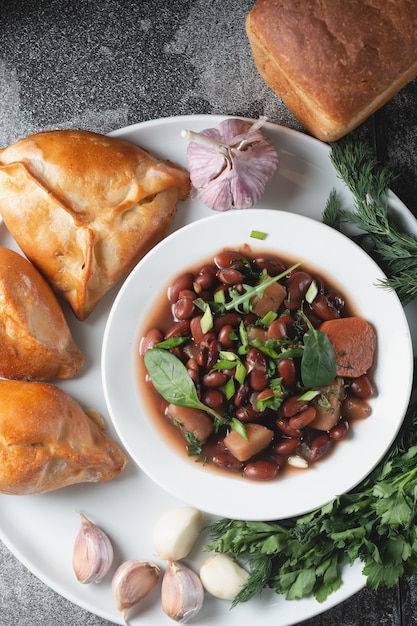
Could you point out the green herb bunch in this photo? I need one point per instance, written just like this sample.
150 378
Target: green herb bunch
393 249
375 523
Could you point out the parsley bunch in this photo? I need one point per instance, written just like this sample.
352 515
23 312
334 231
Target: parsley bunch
392 248
375 523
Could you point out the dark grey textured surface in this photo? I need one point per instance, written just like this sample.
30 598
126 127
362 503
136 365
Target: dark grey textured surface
105 64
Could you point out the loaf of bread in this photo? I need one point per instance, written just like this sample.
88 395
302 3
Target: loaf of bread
333 62
35 340
85 208
48 442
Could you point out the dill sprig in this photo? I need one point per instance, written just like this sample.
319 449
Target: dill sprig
379 234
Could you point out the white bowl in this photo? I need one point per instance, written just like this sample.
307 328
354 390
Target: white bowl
320 248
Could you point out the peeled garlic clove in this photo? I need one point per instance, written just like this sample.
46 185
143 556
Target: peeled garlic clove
182 593
92 554
222 576
132 581
231 164
176 531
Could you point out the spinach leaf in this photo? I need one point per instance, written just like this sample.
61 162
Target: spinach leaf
318 363
170 378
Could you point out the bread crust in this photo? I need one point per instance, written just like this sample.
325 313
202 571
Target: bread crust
85 208
48 442
332 62
35 340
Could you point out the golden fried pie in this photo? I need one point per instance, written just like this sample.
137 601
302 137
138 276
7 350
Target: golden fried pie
47 441
35 340
85 208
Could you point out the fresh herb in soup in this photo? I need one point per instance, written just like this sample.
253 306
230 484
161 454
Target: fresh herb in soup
259 364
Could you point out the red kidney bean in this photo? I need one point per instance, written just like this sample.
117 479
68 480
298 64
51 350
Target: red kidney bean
230 276
286 370
193 370
224 336
260 470
258 379
286 446
241 394
214 379
212 398
214 348
272 265
209 268
285 428
184 281
292 406
150 340
323 308
206 295
194 375
302 419
250 318
184 308
297 284
230 372
265 394
339 431
247 413
230 258
239 288
228 319
196 330
336 298
187 293
258 369
362 387
202 355
192 364
281 328
312 318
318 447
204 282
224 461
179 329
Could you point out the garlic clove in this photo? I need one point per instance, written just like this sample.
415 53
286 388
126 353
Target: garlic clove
92 553
222 577
231 164
132 581
176 531
182 593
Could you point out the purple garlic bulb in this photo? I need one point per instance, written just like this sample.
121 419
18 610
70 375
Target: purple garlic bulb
231 164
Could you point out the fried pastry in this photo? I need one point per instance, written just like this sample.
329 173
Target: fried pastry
85 208
35 340
48 442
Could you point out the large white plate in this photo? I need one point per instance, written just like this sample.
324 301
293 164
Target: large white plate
40 530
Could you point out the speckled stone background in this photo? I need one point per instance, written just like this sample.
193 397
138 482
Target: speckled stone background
104 64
